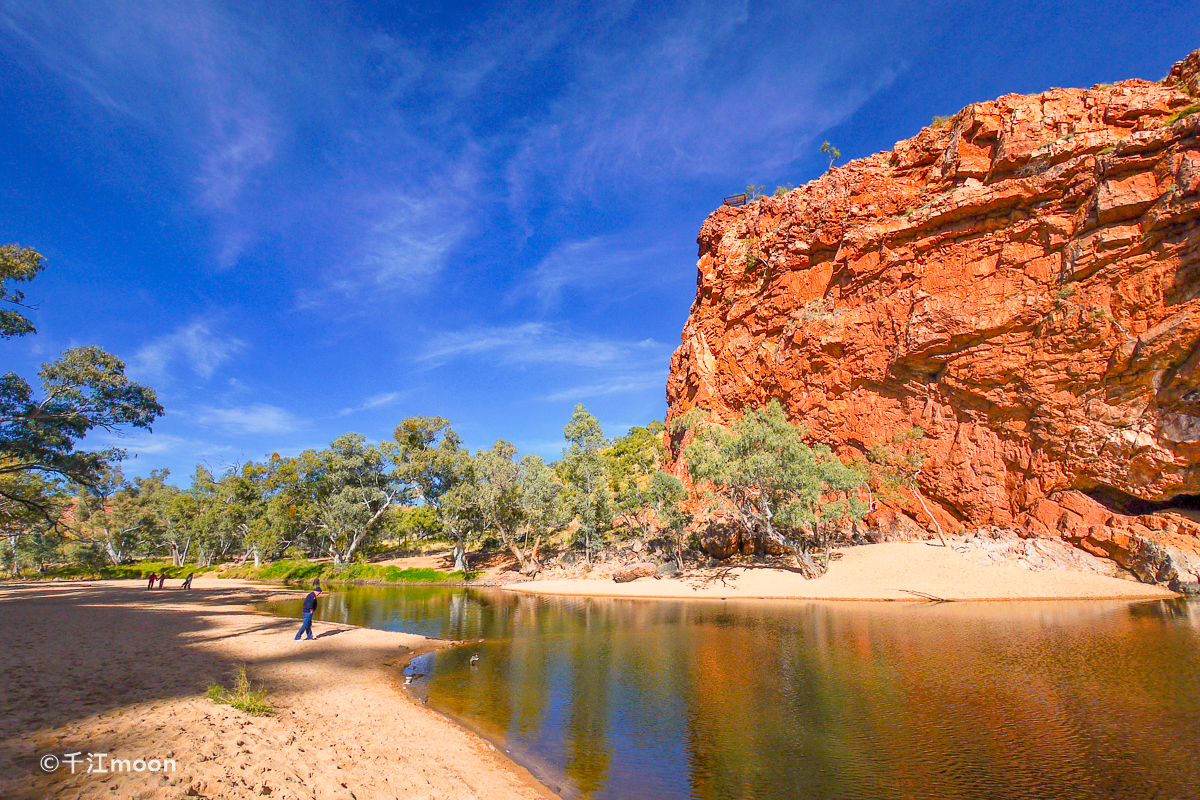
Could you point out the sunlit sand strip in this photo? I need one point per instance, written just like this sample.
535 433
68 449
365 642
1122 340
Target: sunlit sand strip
108 667
889 571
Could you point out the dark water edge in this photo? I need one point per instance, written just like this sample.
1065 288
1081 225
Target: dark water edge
616 698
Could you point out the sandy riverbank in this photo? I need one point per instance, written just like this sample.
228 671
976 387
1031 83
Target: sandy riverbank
107 667
888 571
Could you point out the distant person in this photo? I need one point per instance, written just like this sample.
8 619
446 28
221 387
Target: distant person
187 582
310 606
316 584
153 578
162 579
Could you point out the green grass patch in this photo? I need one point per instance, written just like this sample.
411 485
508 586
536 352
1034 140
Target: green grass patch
1186 111
242 696
304 571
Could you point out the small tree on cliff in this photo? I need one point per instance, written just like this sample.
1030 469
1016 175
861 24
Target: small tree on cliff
776 484
833 153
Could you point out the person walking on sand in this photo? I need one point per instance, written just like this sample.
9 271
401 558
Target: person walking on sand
187 582
153 578
162 579
310 606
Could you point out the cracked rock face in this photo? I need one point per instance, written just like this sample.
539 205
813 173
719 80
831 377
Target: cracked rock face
1021 282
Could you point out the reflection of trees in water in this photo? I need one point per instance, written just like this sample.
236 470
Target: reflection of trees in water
588 750
705 700
1173 609
905 703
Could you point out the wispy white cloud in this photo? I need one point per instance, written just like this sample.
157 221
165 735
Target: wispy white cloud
702 95
375 401
626 259
187 72
256 418
616 384
405 235
143 443
194 345
536 343
241 141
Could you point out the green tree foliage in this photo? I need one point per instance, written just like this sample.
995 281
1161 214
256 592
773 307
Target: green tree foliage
833 153
84 389
897 464
518 500
666 495
413 523
430 457
630 461
497 484
584 471
291 508
776 485
31 537
17 265
633 457
115 516
543 506
358 482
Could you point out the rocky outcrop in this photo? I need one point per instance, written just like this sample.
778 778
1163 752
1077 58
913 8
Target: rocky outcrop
643 569
1020 283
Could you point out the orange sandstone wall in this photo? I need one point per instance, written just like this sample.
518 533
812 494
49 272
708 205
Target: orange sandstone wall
1022 282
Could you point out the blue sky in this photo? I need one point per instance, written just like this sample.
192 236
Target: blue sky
300 219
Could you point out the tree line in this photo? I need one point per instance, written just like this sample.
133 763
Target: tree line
346 500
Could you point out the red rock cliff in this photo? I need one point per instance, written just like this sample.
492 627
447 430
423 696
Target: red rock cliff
1022 282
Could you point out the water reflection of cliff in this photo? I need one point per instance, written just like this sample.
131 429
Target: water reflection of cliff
629 699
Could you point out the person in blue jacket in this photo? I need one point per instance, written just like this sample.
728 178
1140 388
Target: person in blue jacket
310 606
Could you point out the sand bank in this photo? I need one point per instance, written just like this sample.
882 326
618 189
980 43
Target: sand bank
888 571
108 667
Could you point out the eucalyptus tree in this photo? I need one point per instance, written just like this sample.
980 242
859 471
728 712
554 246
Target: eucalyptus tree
652 505
629 462
84 389
114 516
586 476
240 505
357 484
179 510
775 484
543 505
173 511
31 536
518 500
497 488
665 495
212 535
430 458
292 504
461 516
630 459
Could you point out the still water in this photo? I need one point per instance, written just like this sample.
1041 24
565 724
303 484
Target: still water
611 698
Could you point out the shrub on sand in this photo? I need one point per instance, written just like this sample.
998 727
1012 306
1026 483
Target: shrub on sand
243 696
